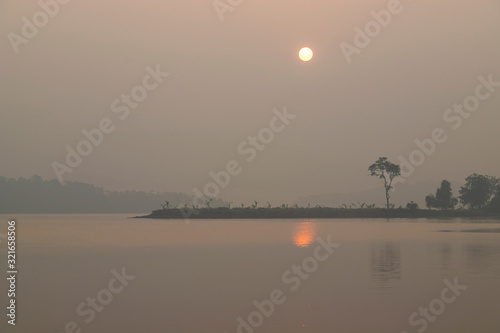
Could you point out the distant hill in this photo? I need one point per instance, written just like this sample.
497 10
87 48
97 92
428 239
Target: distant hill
35 195
403 194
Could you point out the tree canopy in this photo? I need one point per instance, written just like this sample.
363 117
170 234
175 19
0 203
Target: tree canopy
478 191
443 199
494 205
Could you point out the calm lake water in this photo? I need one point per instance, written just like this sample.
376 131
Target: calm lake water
206 276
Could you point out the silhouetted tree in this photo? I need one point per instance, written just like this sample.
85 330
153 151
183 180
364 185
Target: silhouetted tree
412 205
478 191
386 171
443 199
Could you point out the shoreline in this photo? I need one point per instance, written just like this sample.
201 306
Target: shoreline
313 213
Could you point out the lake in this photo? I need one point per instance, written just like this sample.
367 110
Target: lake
108 273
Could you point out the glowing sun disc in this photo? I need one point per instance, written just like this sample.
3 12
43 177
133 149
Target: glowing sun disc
305 54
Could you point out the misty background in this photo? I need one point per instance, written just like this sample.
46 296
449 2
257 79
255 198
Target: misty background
225 79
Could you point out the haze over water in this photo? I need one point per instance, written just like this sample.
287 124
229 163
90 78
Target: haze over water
201 277
225 79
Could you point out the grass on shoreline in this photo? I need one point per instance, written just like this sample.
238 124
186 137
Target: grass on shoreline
316 212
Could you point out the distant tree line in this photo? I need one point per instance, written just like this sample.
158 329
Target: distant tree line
480 192
35 195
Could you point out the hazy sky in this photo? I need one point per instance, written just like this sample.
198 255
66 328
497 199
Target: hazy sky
227 76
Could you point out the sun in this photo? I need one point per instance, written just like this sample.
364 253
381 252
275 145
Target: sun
305 54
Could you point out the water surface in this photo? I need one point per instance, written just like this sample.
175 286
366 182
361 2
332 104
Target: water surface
203 276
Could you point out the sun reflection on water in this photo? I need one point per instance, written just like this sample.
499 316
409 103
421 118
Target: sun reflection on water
304 234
